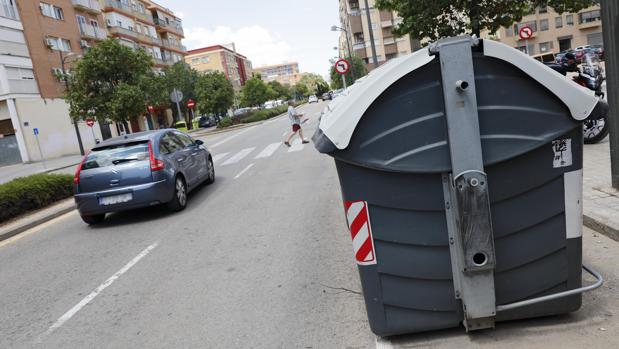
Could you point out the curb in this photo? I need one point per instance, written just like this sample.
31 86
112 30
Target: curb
31 224
60 168
600 227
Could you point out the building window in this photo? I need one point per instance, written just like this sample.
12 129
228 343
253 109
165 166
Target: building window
119 23
58 44
195 60
51 11
543 24
203 59
569 19
545 47
94 23
559 22
589 16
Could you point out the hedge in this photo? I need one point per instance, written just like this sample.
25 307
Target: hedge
254 116
33 192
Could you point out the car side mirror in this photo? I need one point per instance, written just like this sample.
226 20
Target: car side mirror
199 142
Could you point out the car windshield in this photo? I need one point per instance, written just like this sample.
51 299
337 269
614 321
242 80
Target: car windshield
116 154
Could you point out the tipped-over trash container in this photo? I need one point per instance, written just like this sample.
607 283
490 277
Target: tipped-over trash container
461 174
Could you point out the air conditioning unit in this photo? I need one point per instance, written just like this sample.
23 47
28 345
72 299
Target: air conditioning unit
49 43
84 44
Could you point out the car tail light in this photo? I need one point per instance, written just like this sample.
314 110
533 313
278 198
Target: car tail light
155 164
76 178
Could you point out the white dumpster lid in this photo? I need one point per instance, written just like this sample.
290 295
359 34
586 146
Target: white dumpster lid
341 117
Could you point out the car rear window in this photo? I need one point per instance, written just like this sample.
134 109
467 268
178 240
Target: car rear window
116 155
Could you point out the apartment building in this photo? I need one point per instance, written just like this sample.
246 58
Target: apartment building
35 37
147 25
353 19
225 59
553 32
284 73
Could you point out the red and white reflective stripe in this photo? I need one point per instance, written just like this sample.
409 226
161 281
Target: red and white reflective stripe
358 219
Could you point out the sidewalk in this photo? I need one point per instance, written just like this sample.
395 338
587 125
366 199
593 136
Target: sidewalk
600 200
8 173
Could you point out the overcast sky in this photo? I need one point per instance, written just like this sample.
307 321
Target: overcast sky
266 31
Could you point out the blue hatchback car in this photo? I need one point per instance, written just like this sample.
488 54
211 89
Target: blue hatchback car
139 170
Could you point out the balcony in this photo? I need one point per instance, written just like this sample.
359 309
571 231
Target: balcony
120 31
90 6
118 5
143 16
22 86
173 45
8 11
590 24
149 39
389 41
358 46
386 24
355 24
88 31
161 61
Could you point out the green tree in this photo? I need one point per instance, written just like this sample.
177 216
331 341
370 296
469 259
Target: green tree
181 76
314 82
255 92
214 93
108 83
279 90
435 19
336 79
300 91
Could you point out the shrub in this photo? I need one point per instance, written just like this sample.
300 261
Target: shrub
225 122
33 192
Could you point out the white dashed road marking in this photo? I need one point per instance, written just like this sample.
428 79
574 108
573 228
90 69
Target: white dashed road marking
229 138
268 151
243 171
238 156
69 314
219 156
296 146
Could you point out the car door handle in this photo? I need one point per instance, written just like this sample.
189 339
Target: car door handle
181 159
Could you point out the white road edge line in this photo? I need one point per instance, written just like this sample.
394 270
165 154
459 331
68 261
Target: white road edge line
382 343
243 171
229 138
69 314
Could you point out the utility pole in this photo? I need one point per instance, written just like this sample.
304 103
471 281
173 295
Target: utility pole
610 15
367 12
66 84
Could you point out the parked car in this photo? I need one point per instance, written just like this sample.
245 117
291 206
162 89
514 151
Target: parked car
181 126
327 96
547 57
559 57
599 50
312 99
241 111
207 121
140 170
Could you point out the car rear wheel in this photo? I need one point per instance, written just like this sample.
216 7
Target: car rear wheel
179 200
210 169
93 219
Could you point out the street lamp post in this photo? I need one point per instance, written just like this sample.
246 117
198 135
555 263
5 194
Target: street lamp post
66 84
352 66
371 30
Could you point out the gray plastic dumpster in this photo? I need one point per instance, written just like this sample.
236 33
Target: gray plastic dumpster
461 174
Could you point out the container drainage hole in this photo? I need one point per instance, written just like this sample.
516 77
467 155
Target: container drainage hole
479 258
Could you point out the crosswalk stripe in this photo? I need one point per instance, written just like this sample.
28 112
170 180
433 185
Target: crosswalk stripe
219 156
296 146
268 151
238 156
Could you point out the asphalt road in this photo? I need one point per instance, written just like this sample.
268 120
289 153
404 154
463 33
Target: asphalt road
260 259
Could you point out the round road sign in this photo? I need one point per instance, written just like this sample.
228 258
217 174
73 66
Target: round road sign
191 104
90 122
525 32
342 66
176 96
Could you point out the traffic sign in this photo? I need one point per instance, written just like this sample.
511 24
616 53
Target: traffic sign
36 131
90 122
525 32
176 96
342 66
191 104
150 108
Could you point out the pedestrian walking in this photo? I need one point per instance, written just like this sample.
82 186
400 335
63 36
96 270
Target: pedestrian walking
295 121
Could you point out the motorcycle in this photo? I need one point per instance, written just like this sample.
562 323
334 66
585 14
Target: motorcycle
590 75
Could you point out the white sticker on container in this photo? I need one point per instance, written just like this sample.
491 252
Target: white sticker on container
563 152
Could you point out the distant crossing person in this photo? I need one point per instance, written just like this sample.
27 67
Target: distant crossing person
295 121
